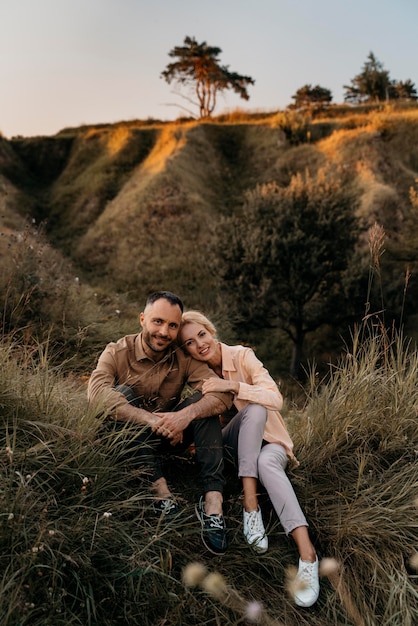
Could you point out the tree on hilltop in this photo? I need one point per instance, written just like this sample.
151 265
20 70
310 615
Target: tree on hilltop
198 66
312 96
374 84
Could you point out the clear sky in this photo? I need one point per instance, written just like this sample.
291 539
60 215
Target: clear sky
71 62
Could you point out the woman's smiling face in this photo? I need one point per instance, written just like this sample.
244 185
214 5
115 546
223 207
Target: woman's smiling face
198 341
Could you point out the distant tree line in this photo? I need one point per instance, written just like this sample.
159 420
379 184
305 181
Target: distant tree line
197 66
311 96
374 84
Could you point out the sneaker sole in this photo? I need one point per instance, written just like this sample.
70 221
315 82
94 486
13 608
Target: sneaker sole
257 549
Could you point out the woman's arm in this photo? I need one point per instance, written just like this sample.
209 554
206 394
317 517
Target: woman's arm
256 385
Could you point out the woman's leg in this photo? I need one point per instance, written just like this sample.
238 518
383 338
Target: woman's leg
272 464
304 545
243 437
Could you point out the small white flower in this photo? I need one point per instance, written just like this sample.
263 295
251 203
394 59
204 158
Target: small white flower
106 514
253 611
85 480
11 516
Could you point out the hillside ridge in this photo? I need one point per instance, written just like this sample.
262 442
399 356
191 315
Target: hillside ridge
131 208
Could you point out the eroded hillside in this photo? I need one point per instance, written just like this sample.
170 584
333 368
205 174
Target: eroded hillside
133 206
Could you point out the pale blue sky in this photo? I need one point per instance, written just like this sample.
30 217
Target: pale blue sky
71 62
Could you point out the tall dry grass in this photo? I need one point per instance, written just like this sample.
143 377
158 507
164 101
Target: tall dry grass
358 437
79 544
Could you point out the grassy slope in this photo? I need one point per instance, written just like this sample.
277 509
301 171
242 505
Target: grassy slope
64 562
79 544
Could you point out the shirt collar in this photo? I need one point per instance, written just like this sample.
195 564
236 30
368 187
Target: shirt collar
228 364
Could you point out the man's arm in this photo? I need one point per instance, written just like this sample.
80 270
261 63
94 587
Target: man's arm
213 403
134 415
177 421
114 404
101 391
198 374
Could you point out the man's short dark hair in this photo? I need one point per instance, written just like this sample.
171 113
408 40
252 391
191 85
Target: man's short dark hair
167 295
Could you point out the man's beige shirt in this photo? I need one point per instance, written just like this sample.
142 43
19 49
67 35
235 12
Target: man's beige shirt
158 385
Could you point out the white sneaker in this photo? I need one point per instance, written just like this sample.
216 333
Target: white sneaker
254 531
307 583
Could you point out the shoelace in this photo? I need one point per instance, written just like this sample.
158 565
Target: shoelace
254 524
306 574
167 505
215 521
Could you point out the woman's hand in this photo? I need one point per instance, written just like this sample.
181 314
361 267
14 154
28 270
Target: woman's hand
220 385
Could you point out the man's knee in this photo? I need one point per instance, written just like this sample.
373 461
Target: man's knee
128 392
195 397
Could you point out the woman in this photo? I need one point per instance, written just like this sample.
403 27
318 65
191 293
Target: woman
257 424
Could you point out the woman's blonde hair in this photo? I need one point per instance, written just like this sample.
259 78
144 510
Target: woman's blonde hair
196 317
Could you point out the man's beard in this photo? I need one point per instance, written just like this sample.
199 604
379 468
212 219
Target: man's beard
151 342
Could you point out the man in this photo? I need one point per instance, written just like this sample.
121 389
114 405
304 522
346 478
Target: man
138 383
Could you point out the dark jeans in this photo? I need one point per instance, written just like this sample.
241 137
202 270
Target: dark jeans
147 450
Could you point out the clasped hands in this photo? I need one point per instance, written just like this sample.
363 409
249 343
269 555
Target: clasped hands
170 425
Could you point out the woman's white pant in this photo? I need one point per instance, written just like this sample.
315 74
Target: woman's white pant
242 437
272 463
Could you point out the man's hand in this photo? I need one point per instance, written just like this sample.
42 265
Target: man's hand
171 425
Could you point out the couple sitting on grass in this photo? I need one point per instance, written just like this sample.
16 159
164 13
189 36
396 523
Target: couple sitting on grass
139 381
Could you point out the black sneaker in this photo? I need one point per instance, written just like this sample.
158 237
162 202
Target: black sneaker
167 508
213 529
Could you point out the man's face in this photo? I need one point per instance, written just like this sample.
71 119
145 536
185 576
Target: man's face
160 325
